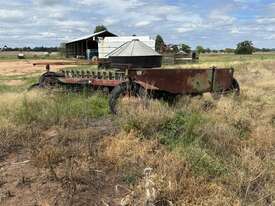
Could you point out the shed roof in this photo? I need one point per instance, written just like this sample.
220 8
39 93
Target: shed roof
101 33
133 48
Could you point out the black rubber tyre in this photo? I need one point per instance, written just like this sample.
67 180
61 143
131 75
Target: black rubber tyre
115 94
34 86
235 87
49 79
132 89
104 90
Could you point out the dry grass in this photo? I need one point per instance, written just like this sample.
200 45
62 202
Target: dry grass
231 143
228 162
201 151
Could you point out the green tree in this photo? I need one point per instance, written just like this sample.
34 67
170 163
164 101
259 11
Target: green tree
175 48
100 28
245 47
62 49
159 45
265 50
200 49
208 50
185 48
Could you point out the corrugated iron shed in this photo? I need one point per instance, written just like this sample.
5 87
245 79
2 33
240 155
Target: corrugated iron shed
78 47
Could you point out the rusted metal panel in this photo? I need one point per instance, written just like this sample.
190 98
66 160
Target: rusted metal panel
147 86
177 81
185 81
222 79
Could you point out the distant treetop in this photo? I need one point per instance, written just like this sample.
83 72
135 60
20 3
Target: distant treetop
186 48
245 47
159 45
100 28
200 49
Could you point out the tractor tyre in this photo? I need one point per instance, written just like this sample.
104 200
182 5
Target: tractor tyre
33 86
132 89
235 87
115 94
48 79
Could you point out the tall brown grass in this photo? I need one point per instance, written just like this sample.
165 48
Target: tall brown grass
201 151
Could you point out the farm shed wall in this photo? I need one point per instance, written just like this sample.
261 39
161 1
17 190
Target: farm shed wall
78 48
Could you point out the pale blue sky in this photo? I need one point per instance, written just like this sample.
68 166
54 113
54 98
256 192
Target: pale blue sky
211 23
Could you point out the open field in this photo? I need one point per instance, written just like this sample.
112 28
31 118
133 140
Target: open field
66 149
12 55
20 74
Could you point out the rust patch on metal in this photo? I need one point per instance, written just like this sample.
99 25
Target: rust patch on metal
177 81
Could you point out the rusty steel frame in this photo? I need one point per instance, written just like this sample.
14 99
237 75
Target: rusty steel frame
174 81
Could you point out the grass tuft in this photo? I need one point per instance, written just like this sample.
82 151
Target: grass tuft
51 110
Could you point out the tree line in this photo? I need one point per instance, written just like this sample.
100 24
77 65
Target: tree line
34 49
244 47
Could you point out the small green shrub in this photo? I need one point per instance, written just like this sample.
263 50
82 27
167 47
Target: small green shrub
180 129
130 179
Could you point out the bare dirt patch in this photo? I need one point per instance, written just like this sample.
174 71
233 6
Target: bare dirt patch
88 182
26 67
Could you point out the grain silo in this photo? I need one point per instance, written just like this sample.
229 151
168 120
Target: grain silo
137 54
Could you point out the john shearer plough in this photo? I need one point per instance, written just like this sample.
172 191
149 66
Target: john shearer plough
140 74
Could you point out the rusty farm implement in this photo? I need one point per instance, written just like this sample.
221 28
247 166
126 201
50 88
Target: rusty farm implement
155 83
136 71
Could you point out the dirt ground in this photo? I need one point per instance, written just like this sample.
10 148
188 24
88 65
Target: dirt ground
21 183
24 67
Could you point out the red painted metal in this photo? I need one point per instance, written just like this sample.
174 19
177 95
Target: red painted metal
106 83
91 81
